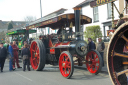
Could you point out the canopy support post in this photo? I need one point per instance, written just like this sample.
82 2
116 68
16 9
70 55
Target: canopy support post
27 34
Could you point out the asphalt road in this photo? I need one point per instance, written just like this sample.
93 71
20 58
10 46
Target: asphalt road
51 76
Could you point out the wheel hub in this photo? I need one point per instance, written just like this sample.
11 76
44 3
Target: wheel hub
35 54
64 64
93 62
83 48
93 66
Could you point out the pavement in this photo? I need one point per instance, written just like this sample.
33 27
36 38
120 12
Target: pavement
104 69
51 75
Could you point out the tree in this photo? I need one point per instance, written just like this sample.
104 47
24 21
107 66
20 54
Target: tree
93 32
29 19
10 26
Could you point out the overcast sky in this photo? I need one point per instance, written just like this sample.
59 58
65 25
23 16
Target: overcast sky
17 10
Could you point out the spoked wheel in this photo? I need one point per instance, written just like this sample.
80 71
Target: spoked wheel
66 64
117 56
93 62
38 53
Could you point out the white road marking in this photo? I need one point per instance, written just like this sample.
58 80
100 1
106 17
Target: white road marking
23 76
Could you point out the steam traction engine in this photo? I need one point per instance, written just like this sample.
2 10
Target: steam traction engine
64 46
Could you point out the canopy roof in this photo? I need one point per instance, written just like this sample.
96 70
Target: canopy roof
60 21
22 31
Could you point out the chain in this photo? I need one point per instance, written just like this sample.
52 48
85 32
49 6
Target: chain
112 8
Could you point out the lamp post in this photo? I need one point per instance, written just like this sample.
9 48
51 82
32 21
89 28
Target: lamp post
41 10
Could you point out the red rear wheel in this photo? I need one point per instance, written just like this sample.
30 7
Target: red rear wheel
37 50
94 62
117 56
66 65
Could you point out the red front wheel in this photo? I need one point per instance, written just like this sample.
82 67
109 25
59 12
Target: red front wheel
66 64
38 53
94 62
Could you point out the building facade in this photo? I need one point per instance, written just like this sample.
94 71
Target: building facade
102 15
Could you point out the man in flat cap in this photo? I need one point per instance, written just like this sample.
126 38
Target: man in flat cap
3 54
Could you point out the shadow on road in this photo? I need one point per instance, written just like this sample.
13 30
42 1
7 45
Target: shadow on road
84 74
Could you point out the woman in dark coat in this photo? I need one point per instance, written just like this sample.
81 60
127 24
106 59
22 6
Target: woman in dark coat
26 57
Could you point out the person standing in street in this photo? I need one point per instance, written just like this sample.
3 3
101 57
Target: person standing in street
25 42
26 57
15 54
100 49
91 44
3 55
10 50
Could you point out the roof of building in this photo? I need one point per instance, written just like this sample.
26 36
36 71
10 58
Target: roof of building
84 3
60 11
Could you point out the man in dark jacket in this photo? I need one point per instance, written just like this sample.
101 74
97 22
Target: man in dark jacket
26 57
3 54
91 44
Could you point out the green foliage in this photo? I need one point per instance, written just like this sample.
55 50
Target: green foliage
10 26
3 41
93 32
